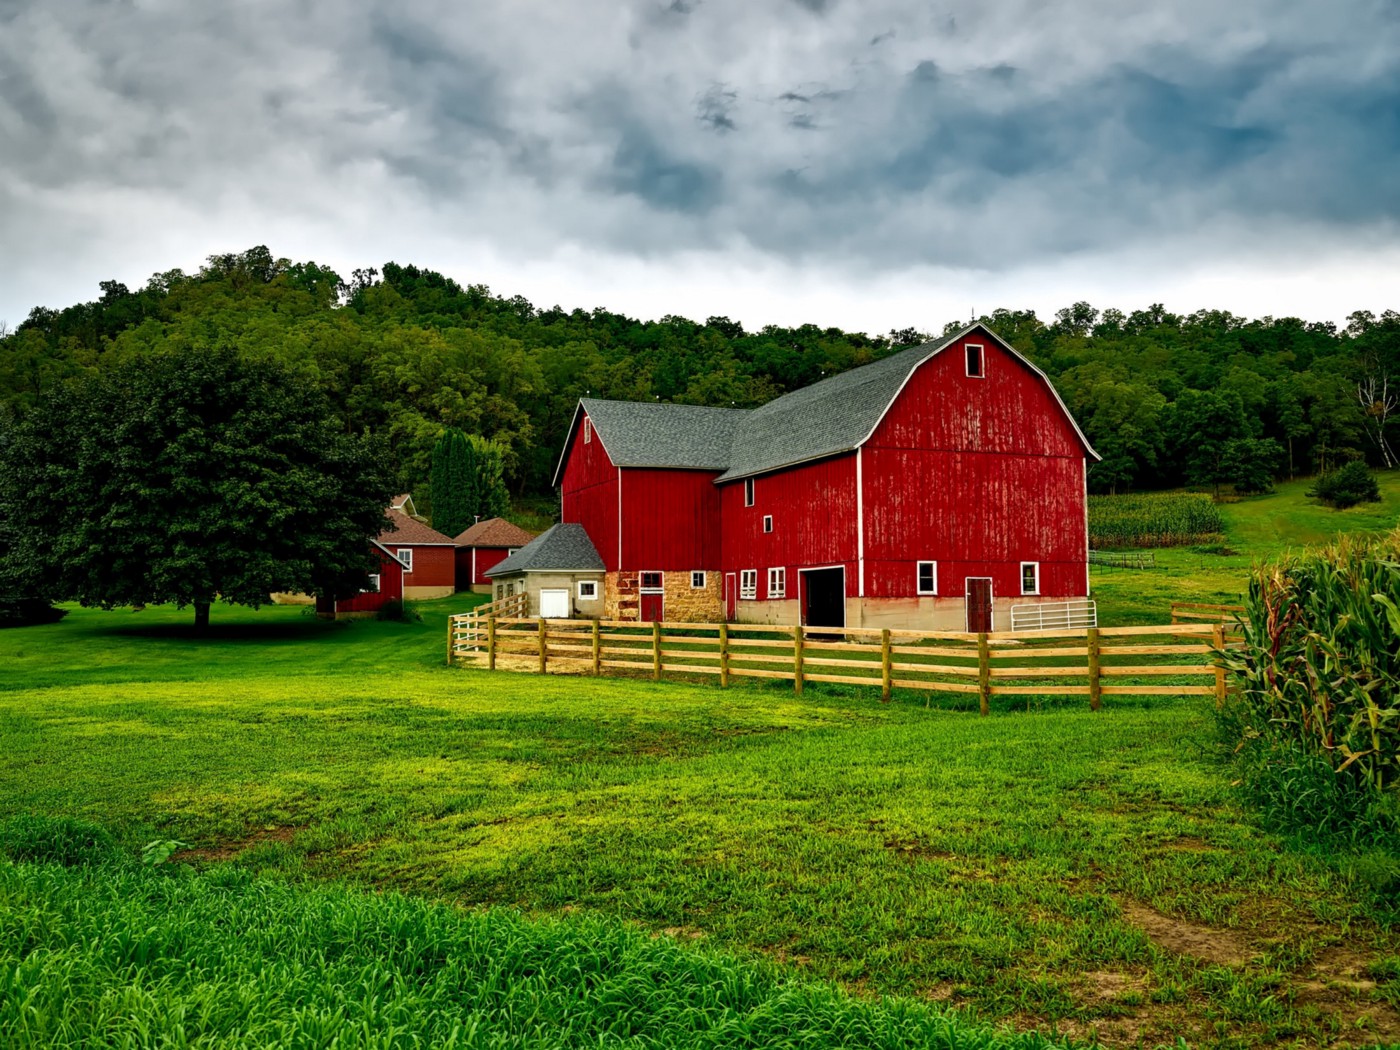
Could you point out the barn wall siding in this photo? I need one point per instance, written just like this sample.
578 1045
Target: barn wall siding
670 520
589 494
814 523
390 589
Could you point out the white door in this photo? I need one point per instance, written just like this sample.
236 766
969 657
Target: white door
554 605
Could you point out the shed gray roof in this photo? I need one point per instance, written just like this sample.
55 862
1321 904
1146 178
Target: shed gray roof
656 434
560 548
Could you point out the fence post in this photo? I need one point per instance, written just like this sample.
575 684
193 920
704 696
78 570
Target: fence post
597 650
491 642
885 669
1217 637
797 659
984 673
544 647
656 650
450 640
1095 684
724 654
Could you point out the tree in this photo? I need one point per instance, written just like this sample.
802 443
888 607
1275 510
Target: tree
1199 426
1252 463
1347 486
21 582
487 496
192 476
451 483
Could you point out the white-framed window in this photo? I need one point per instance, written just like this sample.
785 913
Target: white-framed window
510 590
511 550
373 587
927 577
767 523
587 590
697 580
405 556
587 430
748 492
976 365
500 591
777 583
1030 577
748 584
651 581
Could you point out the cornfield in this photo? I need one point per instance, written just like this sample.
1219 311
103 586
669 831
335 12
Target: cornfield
1157 519
1316 720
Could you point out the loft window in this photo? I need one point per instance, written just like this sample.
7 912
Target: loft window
767 523
748 492
974 361
405 556
697 581
777 583
587 431
1030 577
651 581
587 590
928 577
748 584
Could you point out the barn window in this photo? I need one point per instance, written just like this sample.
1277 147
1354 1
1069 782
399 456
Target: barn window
748 492
510 590
767 523
748 584
928 577
405 556
373 587
974 361
651 581
697 581
500 591
587 430
777 583
1030 577
587 590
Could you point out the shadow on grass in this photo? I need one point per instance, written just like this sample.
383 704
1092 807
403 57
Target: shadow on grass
292 631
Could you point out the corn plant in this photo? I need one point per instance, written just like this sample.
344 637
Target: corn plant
1319 685
1157 519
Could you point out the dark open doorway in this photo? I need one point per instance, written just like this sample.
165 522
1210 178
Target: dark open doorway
824 597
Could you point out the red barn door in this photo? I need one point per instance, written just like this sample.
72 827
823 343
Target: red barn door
979 603
653 607
731 596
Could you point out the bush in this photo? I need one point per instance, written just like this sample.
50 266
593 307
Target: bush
56 840
1315 723
1156 519
20 611
1347 486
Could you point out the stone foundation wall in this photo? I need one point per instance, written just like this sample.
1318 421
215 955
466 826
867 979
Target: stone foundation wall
683 603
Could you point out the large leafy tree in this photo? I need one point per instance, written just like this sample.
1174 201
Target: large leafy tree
486 486
194 476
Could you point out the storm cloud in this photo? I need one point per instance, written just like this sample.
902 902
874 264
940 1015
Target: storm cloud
838 137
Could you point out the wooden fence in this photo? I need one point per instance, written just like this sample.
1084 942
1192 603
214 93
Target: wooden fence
1095 663
1202 612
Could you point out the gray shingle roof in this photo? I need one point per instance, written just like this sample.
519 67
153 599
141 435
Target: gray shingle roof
560 548
656 434
824 419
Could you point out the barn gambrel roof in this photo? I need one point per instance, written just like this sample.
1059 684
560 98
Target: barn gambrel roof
560 548
828 418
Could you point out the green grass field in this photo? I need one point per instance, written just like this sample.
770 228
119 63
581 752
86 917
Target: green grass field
1049 869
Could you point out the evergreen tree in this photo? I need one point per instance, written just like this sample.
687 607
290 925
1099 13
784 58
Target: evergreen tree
451 483
488 496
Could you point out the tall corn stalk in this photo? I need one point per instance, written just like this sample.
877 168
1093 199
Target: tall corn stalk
1319 671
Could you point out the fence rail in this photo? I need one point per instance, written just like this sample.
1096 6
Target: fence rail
1178 659
1124 559
1045 616
1202 612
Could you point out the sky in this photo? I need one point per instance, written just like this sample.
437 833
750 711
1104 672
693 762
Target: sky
869 164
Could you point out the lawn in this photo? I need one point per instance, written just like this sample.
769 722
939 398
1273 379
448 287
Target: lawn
1053 869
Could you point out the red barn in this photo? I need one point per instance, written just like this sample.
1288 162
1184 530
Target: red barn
484 546
385 585
429 558
936 487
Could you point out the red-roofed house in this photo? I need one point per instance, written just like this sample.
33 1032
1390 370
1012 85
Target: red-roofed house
385 585
429 558
484 546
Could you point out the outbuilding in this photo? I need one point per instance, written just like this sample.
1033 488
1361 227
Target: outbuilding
428 557
385 585
560 570
484 546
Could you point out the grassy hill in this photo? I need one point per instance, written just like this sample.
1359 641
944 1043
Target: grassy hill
1256 528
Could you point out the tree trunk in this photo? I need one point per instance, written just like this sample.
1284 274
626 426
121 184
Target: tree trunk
201 616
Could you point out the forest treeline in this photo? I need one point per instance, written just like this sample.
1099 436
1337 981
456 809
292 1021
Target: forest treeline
1206 398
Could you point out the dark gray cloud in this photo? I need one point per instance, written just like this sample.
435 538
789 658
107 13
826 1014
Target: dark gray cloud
854 137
